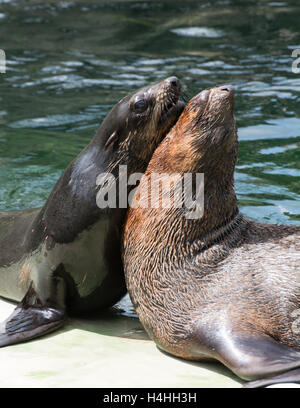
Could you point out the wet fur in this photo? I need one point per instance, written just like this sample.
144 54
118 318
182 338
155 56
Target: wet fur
65 257
198 285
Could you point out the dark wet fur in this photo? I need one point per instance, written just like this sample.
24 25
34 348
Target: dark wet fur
34 262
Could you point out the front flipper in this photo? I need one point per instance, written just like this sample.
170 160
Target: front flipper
292 376
258 356
251 355
29 320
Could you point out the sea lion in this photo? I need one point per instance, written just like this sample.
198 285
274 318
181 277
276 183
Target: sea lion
65 257
219 286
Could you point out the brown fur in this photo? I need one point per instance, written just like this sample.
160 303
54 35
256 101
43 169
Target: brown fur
222 270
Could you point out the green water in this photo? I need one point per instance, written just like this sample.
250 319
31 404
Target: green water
68 62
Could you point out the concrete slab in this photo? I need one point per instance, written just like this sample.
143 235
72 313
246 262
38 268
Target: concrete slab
107 350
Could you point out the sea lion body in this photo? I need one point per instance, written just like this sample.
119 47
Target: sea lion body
219 286
65 257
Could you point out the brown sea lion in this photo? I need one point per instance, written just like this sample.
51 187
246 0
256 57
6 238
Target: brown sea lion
65 257
219 286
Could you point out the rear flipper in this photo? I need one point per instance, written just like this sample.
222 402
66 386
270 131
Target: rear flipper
251 355
292 376
29 320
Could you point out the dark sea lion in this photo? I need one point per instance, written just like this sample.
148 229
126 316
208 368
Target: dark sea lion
66 256
220 286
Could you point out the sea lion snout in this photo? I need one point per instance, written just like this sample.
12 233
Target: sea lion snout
205 131
227 88
225 93
222 92
209 109
168 104
214 103
174 82
208 96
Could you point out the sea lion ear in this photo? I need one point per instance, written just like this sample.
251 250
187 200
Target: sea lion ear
112 138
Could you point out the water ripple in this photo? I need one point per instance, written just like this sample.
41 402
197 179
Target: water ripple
197 32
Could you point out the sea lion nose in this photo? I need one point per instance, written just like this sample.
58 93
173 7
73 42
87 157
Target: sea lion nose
227 88
173 81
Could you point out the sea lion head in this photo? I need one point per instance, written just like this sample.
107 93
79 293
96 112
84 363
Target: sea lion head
205 135
135 126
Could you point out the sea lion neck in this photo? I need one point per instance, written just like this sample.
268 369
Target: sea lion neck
173 157
219 210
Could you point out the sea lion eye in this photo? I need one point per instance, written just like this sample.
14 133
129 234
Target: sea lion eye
140 105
